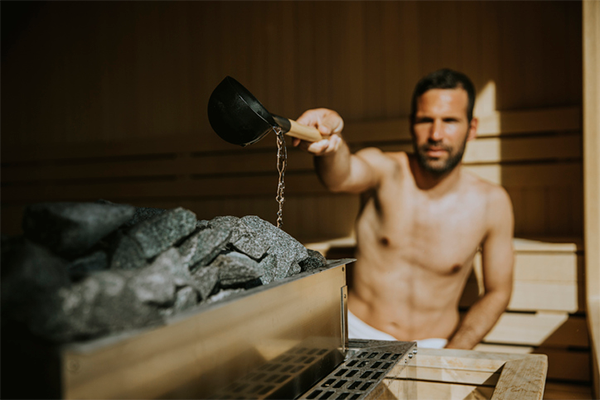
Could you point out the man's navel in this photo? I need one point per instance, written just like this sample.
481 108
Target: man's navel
384 241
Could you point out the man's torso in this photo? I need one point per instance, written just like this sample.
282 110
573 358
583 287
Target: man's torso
415 253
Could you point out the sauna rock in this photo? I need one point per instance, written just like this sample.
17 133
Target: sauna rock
133 267
69 229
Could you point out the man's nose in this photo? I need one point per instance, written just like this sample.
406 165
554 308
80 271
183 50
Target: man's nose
436 130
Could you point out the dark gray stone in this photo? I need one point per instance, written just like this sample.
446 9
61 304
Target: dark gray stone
202 224
205 280
315 260
143 214
186 298
127 255
29 272
246 240
267 267
70 229
201 248
83 266
236 269
117 307
102 303
160 232
155 284
227 222
286 249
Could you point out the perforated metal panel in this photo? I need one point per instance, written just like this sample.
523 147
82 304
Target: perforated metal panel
352 377
364 367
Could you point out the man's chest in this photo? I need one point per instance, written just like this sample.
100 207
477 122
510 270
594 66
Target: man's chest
442 235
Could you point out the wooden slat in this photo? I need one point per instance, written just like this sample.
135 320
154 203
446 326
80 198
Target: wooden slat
525 329
530 176
548 244
557 267
563 364
591 134
522 379
567 391
532 296
241 161
543 328
544 120
354 132
533 175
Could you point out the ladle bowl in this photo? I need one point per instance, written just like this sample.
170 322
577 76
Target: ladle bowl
239 118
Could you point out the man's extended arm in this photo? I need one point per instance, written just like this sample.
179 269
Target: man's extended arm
338 169
498 262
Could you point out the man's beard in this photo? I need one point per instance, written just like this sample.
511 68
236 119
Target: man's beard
436 166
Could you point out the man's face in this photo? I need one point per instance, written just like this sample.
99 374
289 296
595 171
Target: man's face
441 129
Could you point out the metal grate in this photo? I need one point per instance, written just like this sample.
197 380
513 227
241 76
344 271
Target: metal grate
282 377
365 365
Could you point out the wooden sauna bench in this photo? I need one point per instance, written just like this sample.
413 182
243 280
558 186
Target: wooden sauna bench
546 314
467 374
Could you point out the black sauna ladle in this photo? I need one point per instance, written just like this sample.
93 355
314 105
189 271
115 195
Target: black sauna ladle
239 118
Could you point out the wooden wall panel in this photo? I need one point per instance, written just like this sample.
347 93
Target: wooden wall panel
591 111
102 71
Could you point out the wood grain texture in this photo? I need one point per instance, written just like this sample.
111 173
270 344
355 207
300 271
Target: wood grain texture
522 379
591 112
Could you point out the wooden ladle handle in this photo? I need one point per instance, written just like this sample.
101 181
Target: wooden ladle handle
294 129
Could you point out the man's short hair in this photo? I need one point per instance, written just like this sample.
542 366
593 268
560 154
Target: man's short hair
444 79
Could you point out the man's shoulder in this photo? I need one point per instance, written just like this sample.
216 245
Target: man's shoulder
496 197
477 183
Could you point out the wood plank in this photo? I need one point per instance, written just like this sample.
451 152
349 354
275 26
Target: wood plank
539 329
561 267
560 119
503 348
532 175
207 141
567 365
534 296
525 329
299 183
548 244
524 378
509 149
591 134
567 391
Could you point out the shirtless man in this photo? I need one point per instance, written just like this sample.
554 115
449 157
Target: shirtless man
421 222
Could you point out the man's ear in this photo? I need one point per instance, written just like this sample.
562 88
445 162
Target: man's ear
473 129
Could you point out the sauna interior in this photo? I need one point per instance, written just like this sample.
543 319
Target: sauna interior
107 100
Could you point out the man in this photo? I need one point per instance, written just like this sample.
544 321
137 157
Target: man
422 220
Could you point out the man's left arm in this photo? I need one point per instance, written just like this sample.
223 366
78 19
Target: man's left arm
497 262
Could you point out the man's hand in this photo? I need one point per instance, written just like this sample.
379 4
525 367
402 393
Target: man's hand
330 125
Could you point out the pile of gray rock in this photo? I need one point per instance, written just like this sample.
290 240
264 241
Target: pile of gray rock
84 270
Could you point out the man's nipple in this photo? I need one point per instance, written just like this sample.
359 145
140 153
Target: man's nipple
455 268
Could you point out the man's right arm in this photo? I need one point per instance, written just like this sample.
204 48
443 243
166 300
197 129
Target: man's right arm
338 169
